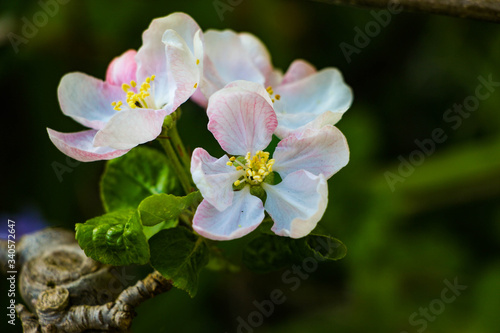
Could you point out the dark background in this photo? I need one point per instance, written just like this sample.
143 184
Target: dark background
442 222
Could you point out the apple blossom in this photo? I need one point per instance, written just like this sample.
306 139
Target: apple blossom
242 119
140 89
303 97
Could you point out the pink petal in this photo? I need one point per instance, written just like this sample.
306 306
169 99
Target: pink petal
129 128
88 100
318 151
298 70
241 121
122 69
258 52
80 146
289 123
252 87
297 203
239 219
274 78
311 96
214 178
151 58
199 98
229 58
183 64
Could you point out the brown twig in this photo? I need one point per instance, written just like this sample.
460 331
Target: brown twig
28 320
64 289
484 10
56 315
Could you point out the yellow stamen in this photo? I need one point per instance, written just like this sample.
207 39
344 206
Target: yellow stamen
278 97
197 61
117 105
256 167
195 85
135 99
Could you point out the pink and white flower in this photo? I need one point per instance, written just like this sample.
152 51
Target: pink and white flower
140 89
242 119
303 97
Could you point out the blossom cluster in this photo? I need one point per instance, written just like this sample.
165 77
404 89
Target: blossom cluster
247 101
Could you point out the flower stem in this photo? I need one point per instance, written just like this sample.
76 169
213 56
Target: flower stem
184 177
179 146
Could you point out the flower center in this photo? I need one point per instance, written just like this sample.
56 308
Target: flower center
137 99
256 167
270 91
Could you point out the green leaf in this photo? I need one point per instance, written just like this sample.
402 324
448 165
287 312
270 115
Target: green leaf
267 253
270 252
115 238
321 247
179 255
153 230
129 179
163 207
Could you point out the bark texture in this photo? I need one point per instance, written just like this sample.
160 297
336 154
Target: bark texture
65 291
484 10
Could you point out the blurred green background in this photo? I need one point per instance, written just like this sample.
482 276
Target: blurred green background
442 222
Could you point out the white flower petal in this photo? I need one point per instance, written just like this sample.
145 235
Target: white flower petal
80 146
274 78
311 96
252 87
122 69
88 100
298 70
227 59
199 98
214 178
183 68
151 58
239 219
293 123
257 52
129 128
297 203
319 151
241 121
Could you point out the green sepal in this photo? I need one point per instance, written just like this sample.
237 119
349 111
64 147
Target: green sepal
259 192
273 178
